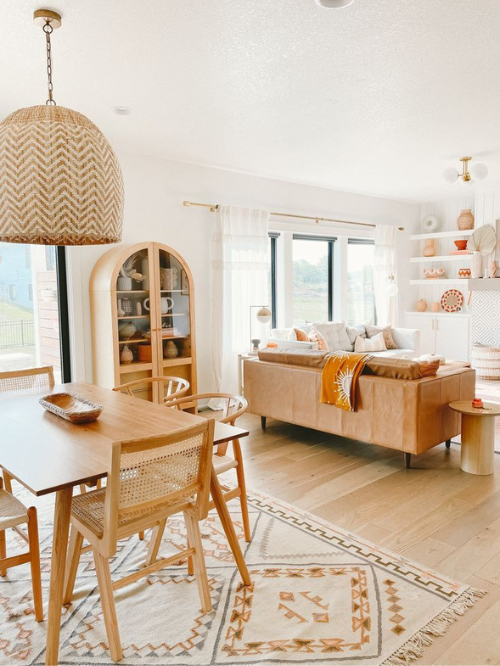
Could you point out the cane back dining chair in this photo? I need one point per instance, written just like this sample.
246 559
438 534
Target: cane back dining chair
20 382
231 406
151 479
12 514
171 387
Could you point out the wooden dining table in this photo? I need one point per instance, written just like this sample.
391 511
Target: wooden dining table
48 454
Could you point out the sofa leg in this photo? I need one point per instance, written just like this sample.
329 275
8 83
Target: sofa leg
407 460
448 443
263 422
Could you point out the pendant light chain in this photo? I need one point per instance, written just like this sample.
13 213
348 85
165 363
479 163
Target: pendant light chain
48 30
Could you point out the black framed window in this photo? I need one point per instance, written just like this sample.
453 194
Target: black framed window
312 293
273 276
34 327
360 276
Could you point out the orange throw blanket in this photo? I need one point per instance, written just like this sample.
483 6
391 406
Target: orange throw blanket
339 379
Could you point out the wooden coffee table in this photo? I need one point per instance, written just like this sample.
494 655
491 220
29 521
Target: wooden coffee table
478 436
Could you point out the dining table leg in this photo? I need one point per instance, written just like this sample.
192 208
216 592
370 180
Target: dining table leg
227 524
62 513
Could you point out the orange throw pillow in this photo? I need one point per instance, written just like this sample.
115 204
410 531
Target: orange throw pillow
301 335
315 336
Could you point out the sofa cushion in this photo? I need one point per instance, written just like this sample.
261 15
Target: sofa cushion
396 353
301 335
354 331
392 368
374 344
335 334
316 336
371 331
312 358
292 344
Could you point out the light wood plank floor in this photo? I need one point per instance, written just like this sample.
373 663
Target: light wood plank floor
433 513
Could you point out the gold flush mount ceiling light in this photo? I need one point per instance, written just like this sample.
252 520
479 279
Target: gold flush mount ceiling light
60 181
477 172
334 4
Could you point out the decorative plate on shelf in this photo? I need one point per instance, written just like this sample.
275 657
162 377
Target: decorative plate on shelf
452 300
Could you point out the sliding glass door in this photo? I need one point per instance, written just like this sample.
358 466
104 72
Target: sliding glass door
33 308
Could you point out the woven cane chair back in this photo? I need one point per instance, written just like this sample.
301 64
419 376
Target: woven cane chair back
155 474
33 380
170 387
229 405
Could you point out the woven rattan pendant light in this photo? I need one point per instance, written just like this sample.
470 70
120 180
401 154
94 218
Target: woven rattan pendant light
60 181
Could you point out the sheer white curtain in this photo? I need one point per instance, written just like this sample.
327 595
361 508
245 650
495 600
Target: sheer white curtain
385 265
240 273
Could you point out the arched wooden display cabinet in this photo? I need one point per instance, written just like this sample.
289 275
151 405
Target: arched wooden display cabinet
142 299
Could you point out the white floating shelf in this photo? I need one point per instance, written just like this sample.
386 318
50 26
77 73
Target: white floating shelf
442 281
446 257
441 312
443 234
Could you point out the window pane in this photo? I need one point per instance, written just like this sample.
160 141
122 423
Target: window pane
29 314
310 281
361 300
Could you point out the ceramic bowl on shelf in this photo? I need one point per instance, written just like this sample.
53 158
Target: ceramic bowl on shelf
461 244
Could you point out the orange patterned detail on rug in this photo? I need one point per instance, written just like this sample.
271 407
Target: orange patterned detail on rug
329 615
394 607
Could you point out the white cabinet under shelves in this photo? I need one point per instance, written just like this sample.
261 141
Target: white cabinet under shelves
446 334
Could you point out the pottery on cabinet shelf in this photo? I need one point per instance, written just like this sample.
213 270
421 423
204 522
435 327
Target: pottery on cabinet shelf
126 356
464 273
465 220
126 331
435 306
421 305
119 310
429 249
461 244
170 350
124 283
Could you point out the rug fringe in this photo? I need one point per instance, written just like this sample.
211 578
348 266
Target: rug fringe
414 647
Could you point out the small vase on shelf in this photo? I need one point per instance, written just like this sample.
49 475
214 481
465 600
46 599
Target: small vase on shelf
171 350
429 249
465 220
476 265
126 356
124 283
421 305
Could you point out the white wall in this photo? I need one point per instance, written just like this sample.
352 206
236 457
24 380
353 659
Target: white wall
154 191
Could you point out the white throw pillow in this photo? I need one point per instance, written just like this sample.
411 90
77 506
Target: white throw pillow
374 344
335 334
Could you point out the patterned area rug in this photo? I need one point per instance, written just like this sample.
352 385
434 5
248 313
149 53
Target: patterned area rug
319 595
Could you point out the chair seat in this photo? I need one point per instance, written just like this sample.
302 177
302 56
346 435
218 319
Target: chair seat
12 511
88 508
224 463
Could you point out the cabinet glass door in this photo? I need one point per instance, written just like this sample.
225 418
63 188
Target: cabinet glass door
134 317
174 312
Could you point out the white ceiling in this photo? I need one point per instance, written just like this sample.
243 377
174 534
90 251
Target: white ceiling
375 98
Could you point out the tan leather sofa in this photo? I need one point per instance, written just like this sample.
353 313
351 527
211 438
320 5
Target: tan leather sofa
408 415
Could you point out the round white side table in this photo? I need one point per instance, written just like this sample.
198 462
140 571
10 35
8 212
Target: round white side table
478 436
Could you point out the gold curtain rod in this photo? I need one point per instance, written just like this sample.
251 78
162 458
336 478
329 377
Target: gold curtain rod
214 207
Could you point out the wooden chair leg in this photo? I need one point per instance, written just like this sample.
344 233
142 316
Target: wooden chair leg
240 474
194 540
36 578
74 553
108 605
3 551
155 542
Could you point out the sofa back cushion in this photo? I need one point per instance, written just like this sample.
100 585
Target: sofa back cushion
374 344
335 334
372 331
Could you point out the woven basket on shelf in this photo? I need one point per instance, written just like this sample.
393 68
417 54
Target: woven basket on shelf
486 361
